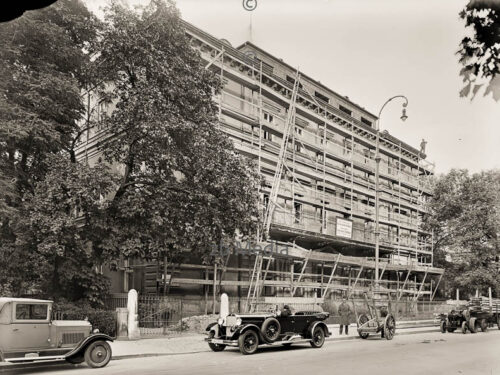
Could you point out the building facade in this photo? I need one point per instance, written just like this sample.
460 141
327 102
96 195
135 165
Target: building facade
325 201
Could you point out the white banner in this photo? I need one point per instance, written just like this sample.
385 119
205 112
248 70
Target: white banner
344 228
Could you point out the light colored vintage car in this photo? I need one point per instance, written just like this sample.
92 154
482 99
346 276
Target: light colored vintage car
27 334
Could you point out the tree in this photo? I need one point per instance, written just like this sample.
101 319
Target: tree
43 55
480 52
64 221
183 186
464 215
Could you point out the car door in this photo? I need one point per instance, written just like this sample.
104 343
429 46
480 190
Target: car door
30 328
302 322
287 324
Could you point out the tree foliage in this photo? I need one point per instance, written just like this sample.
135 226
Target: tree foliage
183 185
43 57
480 51
464 215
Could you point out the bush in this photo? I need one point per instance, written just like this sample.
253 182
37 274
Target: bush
103 320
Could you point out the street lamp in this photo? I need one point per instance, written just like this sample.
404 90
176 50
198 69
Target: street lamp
377 169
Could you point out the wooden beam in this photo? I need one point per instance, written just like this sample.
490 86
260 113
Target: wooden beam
400 294
331 276
420 288
383 270
357 278
301 272
436 288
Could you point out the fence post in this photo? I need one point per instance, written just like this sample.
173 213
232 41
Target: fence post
181 315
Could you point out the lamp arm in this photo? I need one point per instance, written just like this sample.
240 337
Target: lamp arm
390 99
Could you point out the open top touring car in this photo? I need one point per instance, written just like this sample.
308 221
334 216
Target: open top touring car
248 331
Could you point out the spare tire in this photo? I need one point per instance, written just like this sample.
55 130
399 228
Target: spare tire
270 329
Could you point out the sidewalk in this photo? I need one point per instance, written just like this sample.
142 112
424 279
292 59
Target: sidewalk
194 343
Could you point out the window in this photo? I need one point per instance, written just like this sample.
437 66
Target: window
366 122
292 80
26 311
319 156
346 110
267 136
321 97
102 110
298 147
298 130
268 117
266 200
298 212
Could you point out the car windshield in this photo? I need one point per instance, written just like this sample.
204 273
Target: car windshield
28 311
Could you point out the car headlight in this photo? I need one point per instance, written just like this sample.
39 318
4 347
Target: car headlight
238 322
95 330
220 321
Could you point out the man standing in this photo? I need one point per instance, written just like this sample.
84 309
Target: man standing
344 312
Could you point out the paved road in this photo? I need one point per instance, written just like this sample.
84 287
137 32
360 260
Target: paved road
426 353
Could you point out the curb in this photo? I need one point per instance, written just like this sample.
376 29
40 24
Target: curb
329 339
7 367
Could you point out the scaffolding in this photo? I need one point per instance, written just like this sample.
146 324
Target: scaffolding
338 160
285 163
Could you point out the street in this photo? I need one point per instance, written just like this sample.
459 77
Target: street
426 353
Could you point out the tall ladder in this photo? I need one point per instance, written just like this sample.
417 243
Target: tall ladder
289 124
257 281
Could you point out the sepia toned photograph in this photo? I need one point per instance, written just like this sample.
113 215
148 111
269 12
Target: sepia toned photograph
250 186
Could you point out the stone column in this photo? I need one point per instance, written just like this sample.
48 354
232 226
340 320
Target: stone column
133 315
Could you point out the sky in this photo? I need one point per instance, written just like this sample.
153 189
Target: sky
371 50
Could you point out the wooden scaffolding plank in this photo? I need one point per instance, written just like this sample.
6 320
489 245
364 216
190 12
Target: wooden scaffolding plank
331 276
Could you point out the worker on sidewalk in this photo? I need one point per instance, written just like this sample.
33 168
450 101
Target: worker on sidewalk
344 312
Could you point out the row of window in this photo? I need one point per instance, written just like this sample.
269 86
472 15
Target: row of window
326 99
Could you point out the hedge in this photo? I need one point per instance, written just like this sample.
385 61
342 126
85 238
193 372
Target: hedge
104 320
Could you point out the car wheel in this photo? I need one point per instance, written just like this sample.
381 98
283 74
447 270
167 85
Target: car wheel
498 321
363 318
248 342
464 327
98 354
318 337
442 326
389 327
270 329
473 325
215 347
484 325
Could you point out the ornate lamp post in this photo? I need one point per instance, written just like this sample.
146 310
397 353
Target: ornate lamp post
377 171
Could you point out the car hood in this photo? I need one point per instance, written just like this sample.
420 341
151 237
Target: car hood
254 315
71 323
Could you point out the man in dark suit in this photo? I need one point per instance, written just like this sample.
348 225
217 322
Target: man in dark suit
344 312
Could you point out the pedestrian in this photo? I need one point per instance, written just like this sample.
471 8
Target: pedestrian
344 312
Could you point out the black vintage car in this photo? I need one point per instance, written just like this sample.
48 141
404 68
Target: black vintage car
465 320
248 331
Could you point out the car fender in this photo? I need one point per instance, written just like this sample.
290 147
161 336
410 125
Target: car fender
254 327
209 327
315 324
82 345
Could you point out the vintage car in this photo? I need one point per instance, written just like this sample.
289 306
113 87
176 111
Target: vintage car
465 320
282 327
27 334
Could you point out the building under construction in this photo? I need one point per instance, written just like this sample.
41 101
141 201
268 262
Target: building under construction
315 150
